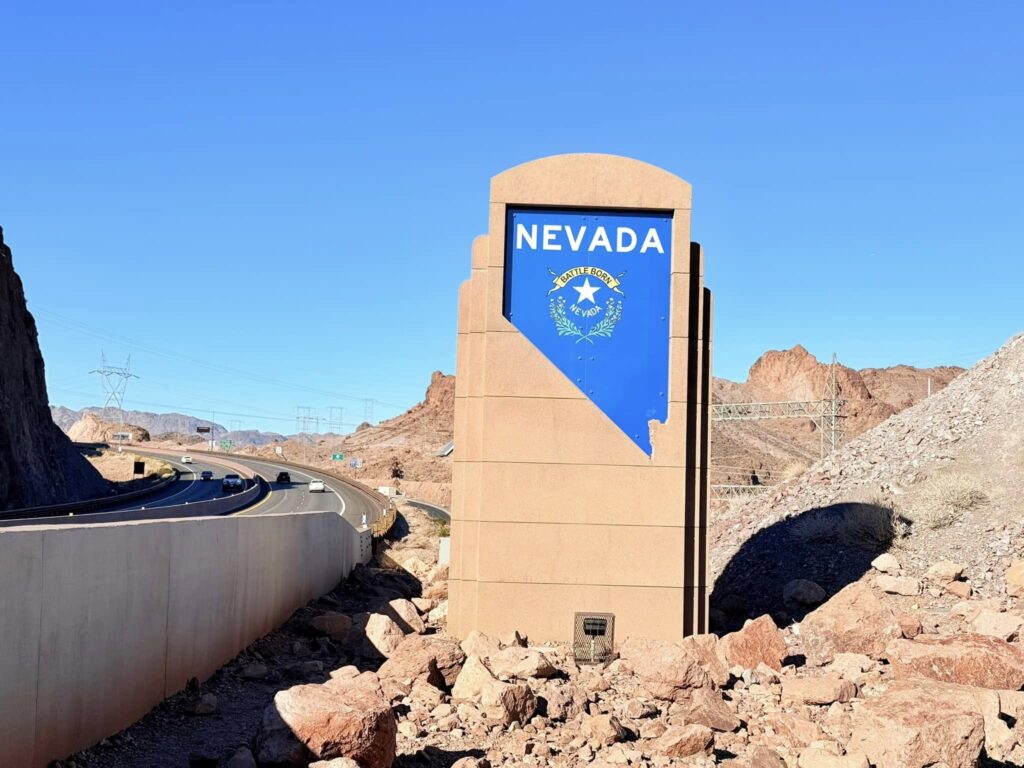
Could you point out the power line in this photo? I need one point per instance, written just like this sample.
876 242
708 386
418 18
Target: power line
115 384
76 325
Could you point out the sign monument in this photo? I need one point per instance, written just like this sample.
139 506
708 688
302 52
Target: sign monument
581 405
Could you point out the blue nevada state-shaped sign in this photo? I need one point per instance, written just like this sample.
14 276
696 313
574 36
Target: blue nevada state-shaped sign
590 289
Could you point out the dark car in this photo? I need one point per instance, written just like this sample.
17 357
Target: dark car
206 475
284 478
233 483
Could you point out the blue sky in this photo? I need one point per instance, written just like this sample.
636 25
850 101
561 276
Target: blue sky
271 205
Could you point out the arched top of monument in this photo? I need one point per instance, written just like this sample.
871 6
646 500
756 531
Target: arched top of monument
591 181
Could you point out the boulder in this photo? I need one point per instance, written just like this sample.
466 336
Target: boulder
1015 579
759 642
380 635
405 615
801 594
709 709
916 727
854 621
684 741
565 703
886 563
763 757
961 589
668 670
409 663
507 702
333 624
817 690
439 613
516 661
1005 626
342 718
898 585
603 730
791 730
977 660
277 744
999 738
910 625
423 605
480 645
704 648
945 571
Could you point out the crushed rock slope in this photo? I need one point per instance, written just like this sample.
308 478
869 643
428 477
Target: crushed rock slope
974 427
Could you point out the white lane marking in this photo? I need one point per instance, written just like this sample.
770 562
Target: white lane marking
195 477
308 477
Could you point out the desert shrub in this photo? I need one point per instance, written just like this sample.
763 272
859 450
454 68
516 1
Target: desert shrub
943 499
817 526
872 526
792 469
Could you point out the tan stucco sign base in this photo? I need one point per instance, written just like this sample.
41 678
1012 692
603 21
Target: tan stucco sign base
555 510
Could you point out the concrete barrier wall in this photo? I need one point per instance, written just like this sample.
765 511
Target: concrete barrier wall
99 623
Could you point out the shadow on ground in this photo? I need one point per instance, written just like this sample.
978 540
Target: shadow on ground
832 546
432 757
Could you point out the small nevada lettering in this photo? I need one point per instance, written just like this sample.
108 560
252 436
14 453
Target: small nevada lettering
552 237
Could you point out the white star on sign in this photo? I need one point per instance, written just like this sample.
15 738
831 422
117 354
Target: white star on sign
586 291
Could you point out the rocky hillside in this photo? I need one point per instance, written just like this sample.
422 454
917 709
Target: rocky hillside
154 423
780 449
940 480
38 464
411 441
92 429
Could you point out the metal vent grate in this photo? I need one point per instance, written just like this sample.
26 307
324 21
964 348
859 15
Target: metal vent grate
594 638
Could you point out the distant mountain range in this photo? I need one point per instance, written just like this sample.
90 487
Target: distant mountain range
158 424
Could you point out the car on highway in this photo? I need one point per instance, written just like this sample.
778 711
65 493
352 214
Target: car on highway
317 486
233 483
284 478
206 475
186 459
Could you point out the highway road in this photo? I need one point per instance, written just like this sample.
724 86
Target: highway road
340 497
187 489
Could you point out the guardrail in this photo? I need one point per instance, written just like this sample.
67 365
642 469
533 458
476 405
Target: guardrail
87 506
225 505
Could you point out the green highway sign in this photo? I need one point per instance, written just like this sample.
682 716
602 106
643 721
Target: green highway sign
226 444
337 457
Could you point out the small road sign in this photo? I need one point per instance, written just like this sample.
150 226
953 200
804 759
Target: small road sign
337 457
225 445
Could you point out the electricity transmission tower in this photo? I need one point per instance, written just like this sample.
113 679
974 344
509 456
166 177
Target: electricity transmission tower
115 384
831 412
826 413
368 411
336 419
306 421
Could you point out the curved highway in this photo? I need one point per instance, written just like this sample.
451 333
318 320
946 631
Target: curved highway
187 489
338 497
296 497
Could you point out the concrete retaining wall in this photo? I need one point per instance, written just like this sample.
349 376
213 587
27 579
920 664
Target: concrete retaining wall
99 623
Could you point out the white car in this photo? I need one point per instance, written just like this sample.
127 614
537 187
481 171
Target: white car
186 459
317 485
